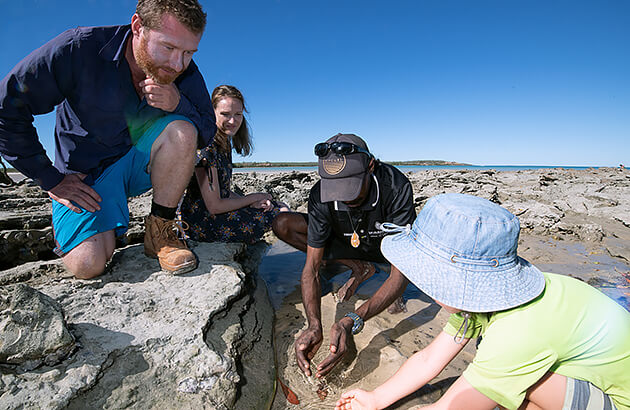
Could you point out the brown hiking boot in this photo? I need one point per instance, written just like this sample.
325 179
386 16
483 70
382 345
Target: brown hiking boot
162 240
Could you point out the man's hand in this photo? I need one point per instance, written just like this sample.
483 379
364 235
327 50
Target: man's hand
72 189
340 336
306 345
163 96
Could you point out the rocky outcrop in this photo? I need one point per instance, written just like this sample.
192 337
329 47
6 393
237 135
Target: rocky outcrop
26 233
33 328
589 205
148 339
25 225
290 187
547 201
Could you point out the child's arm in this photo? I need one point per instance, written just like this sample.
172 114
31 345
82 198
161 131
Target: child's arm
461 395
417 371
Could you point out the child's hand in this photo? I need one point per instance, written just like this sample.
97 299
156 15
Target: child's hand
356 400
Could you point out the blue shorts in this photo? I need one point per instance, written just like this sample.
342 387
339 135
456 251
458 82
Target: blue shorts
125 178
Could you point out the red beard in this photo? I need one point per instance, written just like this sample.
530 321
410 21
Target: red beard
151 69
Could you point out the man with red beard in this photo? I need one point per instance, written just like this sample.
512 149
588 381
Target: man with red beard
132 107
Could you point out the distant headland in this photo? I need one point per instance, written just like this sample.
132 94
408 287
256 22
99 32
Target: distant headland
314 164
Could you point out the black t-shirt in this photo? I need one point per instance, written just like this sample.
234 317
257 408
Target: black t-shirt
390 200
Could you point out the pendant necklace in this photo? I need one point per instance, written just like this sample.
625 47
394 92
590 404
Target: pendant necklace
354 239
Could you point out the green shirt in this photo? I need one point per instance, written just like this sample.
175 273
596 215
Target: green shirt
571 329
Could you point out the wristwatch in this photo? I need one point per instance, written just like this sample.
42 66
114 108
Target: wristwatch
358 322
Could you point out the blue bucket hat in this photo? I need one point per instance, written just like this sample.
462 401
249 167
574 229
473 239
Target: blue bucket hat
461 251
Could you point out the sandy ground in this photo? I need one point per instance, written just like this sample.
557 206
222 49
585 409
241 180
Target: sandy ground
388 340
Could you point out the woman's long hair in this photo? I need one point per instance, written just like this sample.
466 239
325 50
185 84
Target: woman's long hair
241 141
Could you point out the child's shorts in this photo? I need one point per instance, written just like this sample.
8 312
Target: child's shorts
582 395
125 178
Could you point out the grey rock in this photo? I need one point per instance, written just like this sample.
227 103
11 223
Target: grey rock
32 328
148 339
290 187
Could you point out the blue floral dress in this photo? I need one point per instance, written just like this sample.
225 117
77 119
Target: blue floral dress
241 225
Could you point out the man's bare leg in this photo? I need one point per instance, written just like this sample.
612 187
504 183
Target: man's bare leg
397 306
88 259
361 271
174 149
171 167
173 162
291 227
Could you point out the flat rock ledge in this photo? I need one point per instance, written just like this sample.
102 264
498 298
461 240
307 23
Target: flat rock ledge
140 338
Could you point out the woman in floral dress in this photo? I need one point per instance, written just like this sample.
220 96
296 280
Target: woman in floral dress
212 210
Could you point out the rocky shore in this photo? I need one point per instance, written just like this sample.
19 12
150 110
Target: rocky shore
140 338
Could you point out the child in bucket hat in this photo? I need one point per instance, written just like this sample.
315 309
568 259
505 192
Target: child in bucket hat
549 341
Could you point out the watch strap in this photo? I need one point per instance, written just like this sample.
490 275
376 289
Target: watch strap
357 325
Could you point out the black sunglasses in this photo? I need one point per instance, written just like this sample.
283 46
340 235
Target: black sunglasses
339 148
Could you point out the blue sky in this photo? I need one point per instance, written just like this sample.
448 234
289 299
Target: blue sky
484 82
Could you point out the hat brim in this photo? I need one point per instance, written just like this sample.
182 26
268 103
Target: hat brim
470 290
342 189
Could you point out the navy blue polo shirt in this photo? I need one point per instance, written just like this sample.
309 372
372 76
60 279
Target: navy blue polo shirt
83 73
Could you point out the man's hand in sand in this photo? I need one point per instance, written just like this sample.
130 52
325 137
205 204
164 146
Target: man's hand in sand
72 189
306 345
340 337
356 400
163 96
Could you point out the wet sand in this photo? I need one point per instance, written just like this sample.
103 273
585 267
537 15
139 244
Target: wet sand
388 340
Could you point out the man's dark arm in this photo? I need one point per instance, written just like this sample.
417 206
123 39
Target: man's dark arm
318 233
311 287
309 341
341 332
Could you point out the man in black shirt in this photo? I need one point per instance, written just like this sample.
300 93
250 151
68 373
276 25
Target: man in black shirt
355 195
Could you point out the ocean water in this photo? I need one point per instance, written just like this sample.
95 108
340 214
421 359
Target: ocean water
411 168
